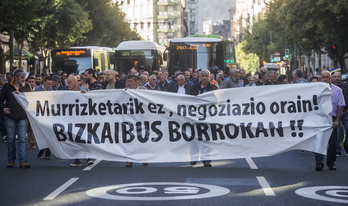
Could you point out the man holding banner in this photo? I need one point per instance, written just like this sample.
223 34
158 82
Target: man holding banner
16 118
338 103
203 86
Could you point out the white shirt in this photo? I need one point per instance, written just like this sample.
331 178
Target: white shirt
181 89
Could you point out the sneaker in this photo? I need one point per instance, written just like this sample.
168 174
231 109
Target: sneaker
90 161
40 154
10 164
338 153
76 163
48 157
24 165
4 138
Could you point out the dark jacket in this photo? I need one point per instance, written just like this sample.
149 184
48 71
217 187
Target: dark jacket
17 112
197 89
163 87
344 88
174 88
118 84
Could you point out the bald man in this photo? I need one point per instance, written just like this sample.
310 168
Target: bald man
73 85
111 80
338 103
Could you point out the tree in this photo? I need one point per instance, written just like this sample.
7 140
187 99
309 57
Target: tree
311 25
18 16
44 23
249 62
258 41
110 26
60 23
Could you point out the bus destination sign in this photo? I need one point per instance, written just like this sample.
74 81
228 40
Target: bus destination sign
191 47
72 53
135 53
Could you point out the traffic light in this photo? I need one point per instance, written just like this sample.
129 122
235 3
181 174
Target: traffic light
287 55
272 58
333 47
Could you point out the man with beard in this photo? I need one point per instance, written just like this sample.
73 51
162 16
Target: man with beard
16 122
38 81
111 81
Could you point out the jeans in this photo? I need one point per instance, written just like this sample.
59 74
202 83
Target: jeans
19 128
344 121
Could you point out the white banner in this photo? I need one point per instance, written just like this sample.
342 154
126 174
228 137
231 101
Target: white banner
154 126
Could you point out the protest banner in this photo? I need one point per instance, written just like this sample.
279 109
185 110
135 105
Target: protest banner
154 126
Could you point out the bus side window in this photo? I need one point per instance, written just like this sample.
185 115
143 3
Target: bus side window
95 63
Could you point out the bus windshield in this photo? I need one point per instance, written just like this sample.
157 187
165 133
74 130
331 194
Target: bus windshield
193 55
75 65
201 53
141 59
142 55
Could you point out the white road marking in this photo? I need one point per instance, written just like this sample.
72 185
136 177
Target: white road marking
325 193
265 186
60 189
251 163
182 191
89 167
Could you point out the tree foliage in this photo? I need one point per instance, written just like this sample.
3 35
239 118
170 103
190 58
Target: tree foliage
110 26
249 62
44 23
311 25
47 24
258 41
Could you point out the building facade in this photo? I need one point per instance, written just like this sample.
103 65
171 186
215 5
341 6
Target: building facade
155 20
244 14
194 17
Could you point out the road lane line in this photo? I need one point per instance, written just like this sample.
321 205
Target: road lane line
89 167
251 163
60 189
265 186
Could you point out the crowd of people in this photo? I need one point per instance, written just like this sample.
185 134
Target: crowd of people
13 120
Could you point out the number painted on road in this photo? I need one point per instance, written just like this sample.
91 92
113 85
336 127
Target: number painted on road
337 194
153 191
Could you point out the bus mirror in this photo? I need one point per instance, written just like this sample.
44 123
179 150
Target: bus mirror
95 62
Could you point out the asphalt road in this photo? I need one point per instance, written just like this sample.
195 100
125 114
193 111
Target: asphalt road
284 179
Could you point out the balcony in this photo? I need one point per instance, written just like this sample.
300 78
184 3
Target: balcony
165 2
168 14
166 29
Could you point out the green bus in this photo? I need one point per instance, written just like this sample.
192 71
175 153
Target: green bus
201 52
